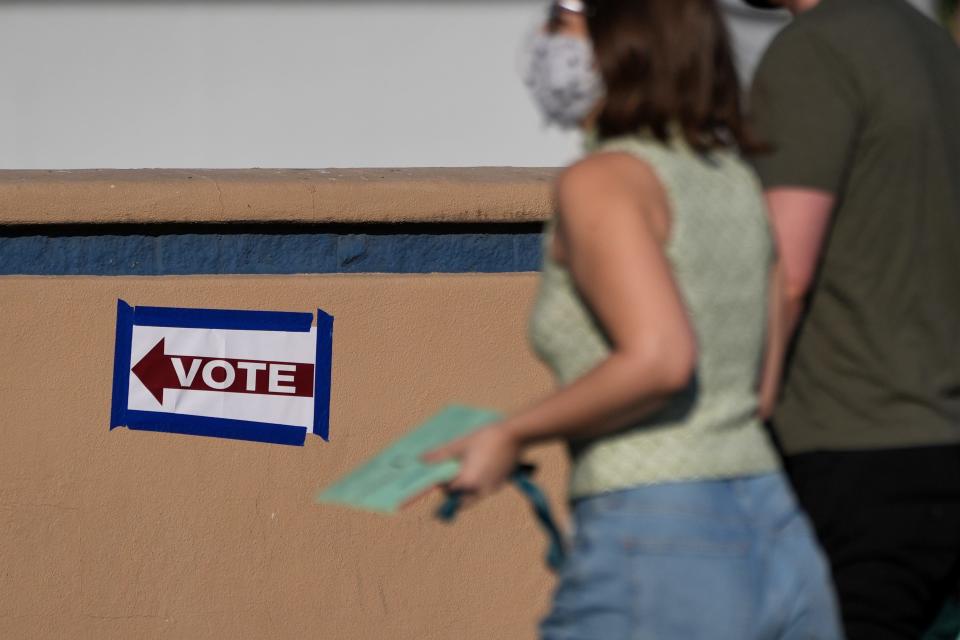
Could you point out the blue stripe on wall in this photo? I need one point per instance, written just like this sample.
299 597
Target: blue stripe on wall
268 249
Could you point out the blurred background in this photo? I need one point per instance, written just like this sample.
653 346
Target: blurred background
232 84
236 84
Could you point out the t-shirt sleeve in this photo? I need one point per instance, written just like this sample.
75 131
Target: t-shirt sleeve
806 108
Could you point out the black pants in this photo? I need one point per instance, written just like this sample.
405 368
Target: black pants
890 523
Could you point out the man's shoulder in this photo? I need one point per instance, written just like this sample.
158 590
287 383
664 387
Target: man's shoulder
854 30
832 26
846 38
800 47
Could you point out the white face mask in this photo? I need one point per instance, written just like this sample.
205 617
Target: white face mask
561 76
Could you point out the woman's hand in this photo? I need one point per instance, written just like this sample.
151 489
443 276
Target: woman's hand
487 458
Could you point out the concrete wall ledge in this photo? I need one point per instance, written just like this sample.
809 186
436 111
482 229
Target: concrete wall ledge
149 196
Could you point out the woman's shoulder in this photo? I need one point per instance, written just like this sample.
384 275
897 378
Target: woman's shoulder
609 173
612 184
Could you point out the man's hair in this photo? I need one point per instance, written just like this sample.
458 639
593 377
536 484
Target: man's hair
667 64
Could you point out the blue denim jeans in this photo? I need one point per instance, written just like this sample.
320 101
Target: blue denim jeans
724 559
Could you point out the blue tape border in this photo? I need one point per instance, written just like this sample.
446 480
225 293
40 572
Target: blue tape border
121 364
323 364
216 427
128 316
222 319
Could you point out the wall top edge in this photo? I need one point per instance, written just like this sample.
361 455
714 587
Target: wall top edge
146 196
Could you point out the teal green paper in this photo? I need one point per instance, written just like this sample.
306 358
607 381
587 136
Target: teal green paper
397 474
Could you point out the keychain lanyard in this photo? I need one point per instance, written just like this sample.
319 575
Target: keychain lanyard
522 479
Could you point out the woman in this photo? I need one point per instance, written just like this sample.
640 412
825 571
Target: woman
651 313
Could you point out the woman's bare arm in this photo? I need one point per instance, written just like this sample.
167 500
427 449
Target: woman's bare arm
613 222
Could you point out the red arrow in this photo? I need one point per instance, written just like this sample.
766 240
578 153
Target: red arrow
158 370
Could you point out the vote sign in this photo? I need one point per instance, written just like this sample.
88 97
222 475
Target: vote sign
248 375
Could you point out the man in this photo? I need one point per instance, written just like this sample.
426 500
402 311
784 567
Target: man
859 101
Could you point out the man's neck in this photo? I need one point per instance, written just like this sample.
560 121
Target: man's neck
797 7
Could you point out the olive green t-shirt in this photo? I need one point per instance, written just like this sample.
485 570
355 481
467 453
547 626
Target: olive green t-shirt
861 99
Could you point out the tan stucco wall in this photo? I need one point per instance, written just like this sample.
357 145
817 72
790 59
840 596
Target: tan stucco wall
142 535
476 194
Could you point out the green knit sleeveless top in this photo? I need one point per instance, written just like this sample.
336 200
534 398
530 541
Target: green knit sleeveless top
720 250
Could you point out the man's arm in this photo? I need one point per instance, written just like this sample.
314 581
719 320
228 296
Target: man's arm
800 219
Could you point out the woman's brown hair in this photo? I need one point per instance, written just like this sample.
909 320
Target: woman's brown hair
666 64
